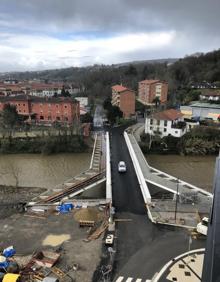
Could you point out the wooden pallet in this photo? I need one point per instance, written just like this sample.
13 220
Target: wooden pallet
58 272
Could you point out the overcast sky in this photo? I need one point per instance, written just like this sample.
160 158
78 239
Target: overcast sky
45 34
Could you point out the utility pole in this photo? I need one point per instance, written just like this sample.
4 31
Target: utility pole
177 196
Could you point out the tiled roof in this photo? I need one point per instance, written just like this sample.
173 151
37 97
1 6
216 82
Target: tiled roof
119 88
37 99
168 115
149 81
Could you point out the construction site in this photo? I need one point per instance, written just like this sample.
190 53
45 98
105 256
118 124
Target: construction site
56 234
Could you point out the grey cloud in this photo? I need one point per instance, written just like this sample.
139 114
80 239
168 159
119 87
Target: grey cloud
118 14
195 22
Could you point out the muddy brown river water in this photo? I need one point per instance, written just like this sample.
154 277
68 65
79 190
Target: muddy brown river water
197 170
34 170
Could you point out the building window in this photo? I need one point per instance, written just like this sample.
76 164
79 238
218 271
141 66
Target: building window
165 130
165 123
158 122
58 118
151 127
57 105
49 117
151 121
65 106
66 118
176 131
41 117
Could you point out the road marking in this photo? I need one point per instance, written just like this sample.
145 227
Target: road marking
120 278
138 280
129 279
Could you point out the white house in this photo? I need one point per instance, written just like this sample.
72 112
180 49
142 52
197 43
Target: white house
169 122
83 101
212 96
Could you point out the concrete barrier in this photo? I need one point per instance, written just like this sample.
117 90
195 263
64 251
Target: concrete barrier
140 176
91 162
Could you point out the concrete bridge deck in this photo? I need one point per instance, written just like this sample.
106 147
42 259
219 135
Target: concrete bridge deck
86 180
193 202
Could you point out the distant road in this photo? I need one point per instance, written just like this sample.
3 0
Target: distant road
98 117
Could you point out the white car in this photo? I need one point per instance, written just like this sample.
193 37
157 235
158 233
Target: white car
122 166
109 239
202 227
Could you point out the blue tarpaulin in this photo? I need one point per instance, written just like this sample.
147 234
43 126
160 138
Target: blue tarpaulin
9 252
65 208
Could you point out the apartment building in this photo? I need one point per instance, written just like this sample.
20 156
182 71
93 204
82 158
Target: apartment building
124 98
44 110
148 90
169 122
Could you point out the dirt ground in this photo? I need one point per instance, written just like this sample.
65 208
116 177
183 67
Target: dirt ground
55 232
10 197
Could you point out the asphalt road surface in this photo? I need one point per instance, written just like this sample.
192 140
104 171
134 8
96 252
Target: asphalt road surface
98 117
142 247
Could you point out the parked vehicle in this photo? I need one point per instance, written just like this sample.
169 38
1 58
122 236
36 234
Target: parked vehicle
202 227
109 239
122 167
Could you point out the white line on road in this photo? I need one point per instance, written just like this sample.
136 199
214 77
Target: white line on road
129 279
120 278
139 280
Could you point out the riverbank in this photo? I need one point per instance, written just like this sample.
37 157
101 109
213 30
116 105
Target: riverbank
12 198
44 144
200 141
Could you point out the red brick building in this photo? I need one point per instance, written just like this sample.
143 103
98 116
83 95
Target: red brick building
124 98
44 110
148 90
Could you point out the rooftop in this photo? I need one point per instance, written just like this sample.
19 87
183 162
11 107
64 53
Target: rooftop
170 114
150 81
36 99
119 88
205 105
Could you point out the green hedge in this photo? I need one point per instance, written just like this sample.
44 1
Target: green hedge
44 145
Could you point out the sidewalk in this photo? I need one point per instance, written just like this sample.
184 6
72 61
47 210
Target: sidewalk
184 268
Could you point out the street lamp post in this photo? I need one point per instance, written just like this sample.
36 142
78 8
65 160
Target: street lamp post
177 195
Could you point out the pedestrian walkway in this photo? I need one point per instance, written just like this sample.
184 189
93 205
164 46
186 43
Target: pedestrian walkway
185 268
130 279
193 202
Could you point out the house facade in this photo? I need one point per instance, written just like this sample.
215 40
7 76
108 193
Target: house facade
169 122
44 110
148 90
210 96
124 98
201 111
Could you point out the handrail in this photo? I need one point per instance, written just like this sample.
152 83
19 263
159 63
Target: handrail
73 188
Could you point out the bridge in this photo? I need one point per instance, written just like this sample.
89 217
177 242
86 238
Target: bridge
94 176
168 200
142 196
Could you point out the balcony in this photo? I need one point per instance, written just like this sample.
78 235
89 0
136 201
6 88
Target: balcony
178 125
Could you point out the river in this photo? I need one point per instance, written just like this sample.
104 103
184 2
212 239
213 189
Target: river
35 170
197 170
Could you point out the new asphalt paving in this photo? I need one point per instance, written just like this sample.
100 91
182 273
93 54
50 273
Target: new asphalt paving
142 247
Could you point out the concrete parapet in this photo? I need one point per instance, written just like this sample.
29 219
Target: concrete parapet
140 176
